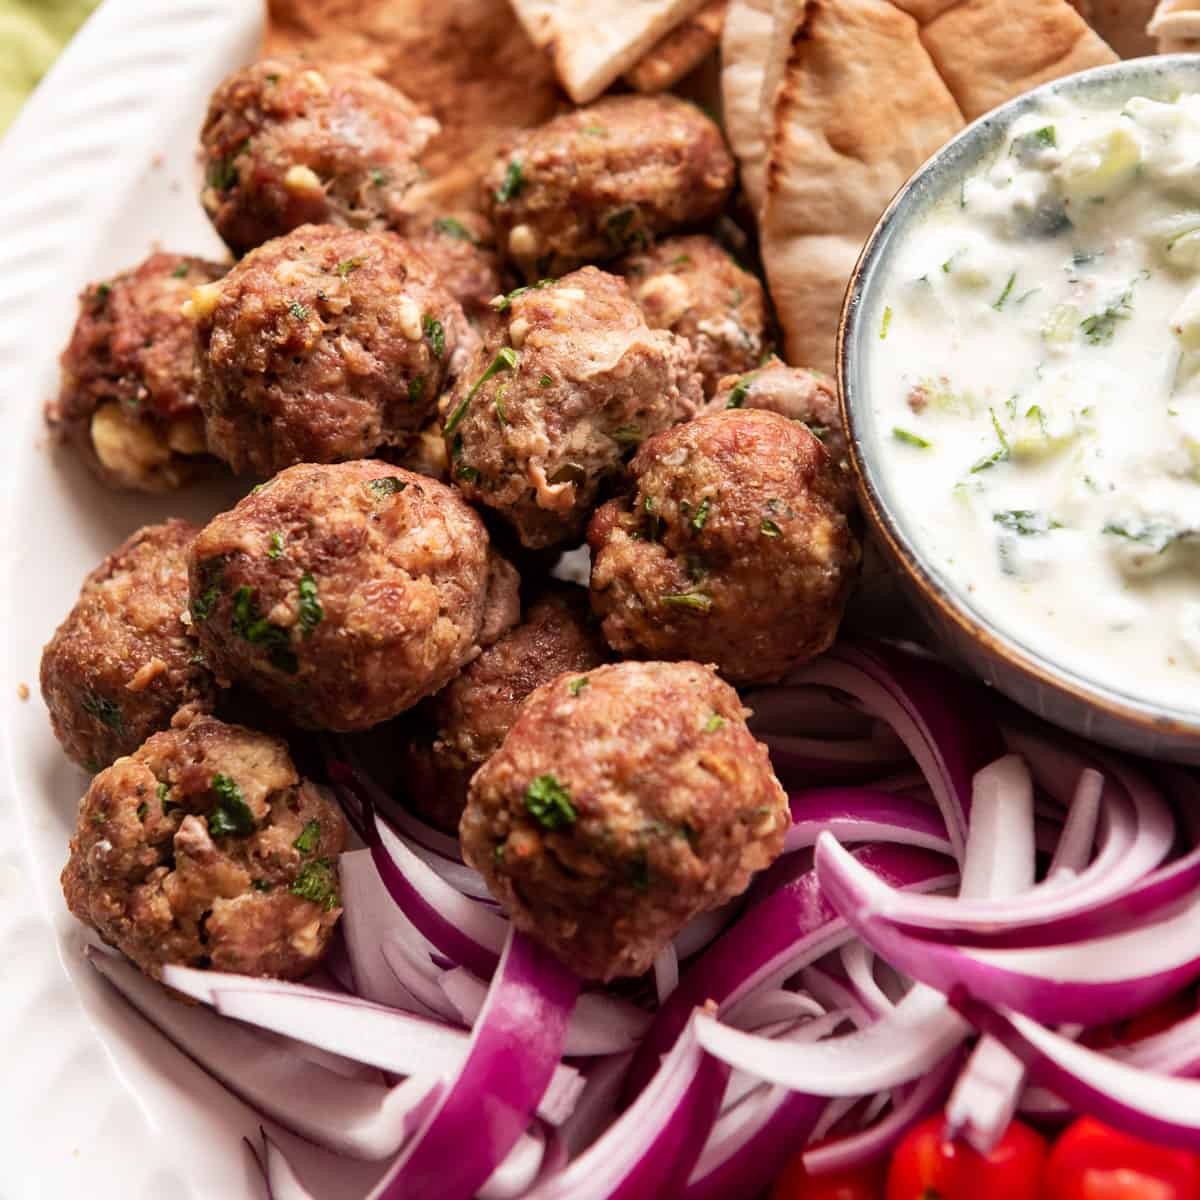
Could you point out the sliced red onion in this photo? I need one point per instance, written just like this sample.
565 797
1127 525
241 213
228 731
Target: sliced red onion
1000 862
757 1133
353 1117
863 758
459 876
1101 979
651 1148
832 990
864 815
773 939
881 1138
1073 851
282 1181
666 972
700 931
812 712
909 1042
1173 1051
859 964
775 1006
516 1047
596 1108
810 1029
1041 1104
1146 1104
516 1174
368 1033
369 916
412 960
462 930
600 1023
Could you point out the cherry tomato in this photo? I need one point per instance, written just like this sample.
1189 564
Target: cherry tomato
927 1164
1153 1020
1092 1161
864 1183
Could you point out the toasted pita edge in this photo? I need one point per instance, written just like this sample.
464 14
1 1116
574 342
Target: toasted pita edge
681 51
594 41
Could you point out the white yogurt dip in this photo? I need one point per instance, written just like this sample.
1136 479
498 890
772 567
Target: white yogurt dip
1034 375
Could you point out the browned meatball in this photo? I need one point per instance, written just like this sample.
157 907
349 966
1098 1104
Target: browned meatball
344 594
602 180
461 251
287 143
127 403
691 286
622 803
734 548
205 848
569 378
797 393
123 661
464 724
320 346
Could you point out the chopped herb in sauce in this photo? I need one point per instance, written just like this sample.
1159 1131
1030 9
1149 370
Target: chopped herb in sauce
1002 299
349 265
1100 327
310 837
276 549
311 612
513 183
1025 522
768 528
737 396
910 439
701 517
435 335
1028 145
548 802
714 723
298 310
102 709
577 685
546 381
886 325
249 623
1156 536
230 815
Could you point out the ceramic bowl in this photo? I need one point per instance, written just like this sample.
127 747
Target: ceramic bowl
996 654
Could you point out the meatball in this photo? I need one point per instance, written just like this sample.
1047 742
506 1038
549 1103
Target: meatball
691 286
462 253
734 548
344 594
603 180
568 379
464 724
288 144
622 803
320 346
127 403
205 848
797 393
123 661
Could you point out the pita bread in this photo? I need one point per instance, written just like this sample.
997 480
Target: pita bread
1122 24
593 41
681 51
1175 25
868 90
860 106
745 42
469 63
988 52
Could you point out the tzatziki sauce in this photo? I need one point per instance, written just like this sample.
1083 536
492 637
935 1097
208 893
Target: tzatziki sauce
1034 380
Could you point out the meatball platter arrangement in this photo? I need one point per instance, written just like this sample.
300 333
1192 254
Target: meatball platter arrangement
464 755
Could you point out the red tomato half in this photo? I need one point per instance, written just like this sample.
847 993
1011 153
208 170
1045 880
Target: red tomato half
795 1183
1092 1161
927 1164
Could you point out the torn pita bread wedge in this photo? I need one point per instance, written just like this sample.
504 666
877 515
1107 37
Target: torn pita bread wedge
989 51
859 108
593 41
681 51
750 49
1175 25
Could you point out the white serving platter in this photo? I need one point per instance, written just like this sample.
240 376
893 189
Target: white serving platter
99 168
